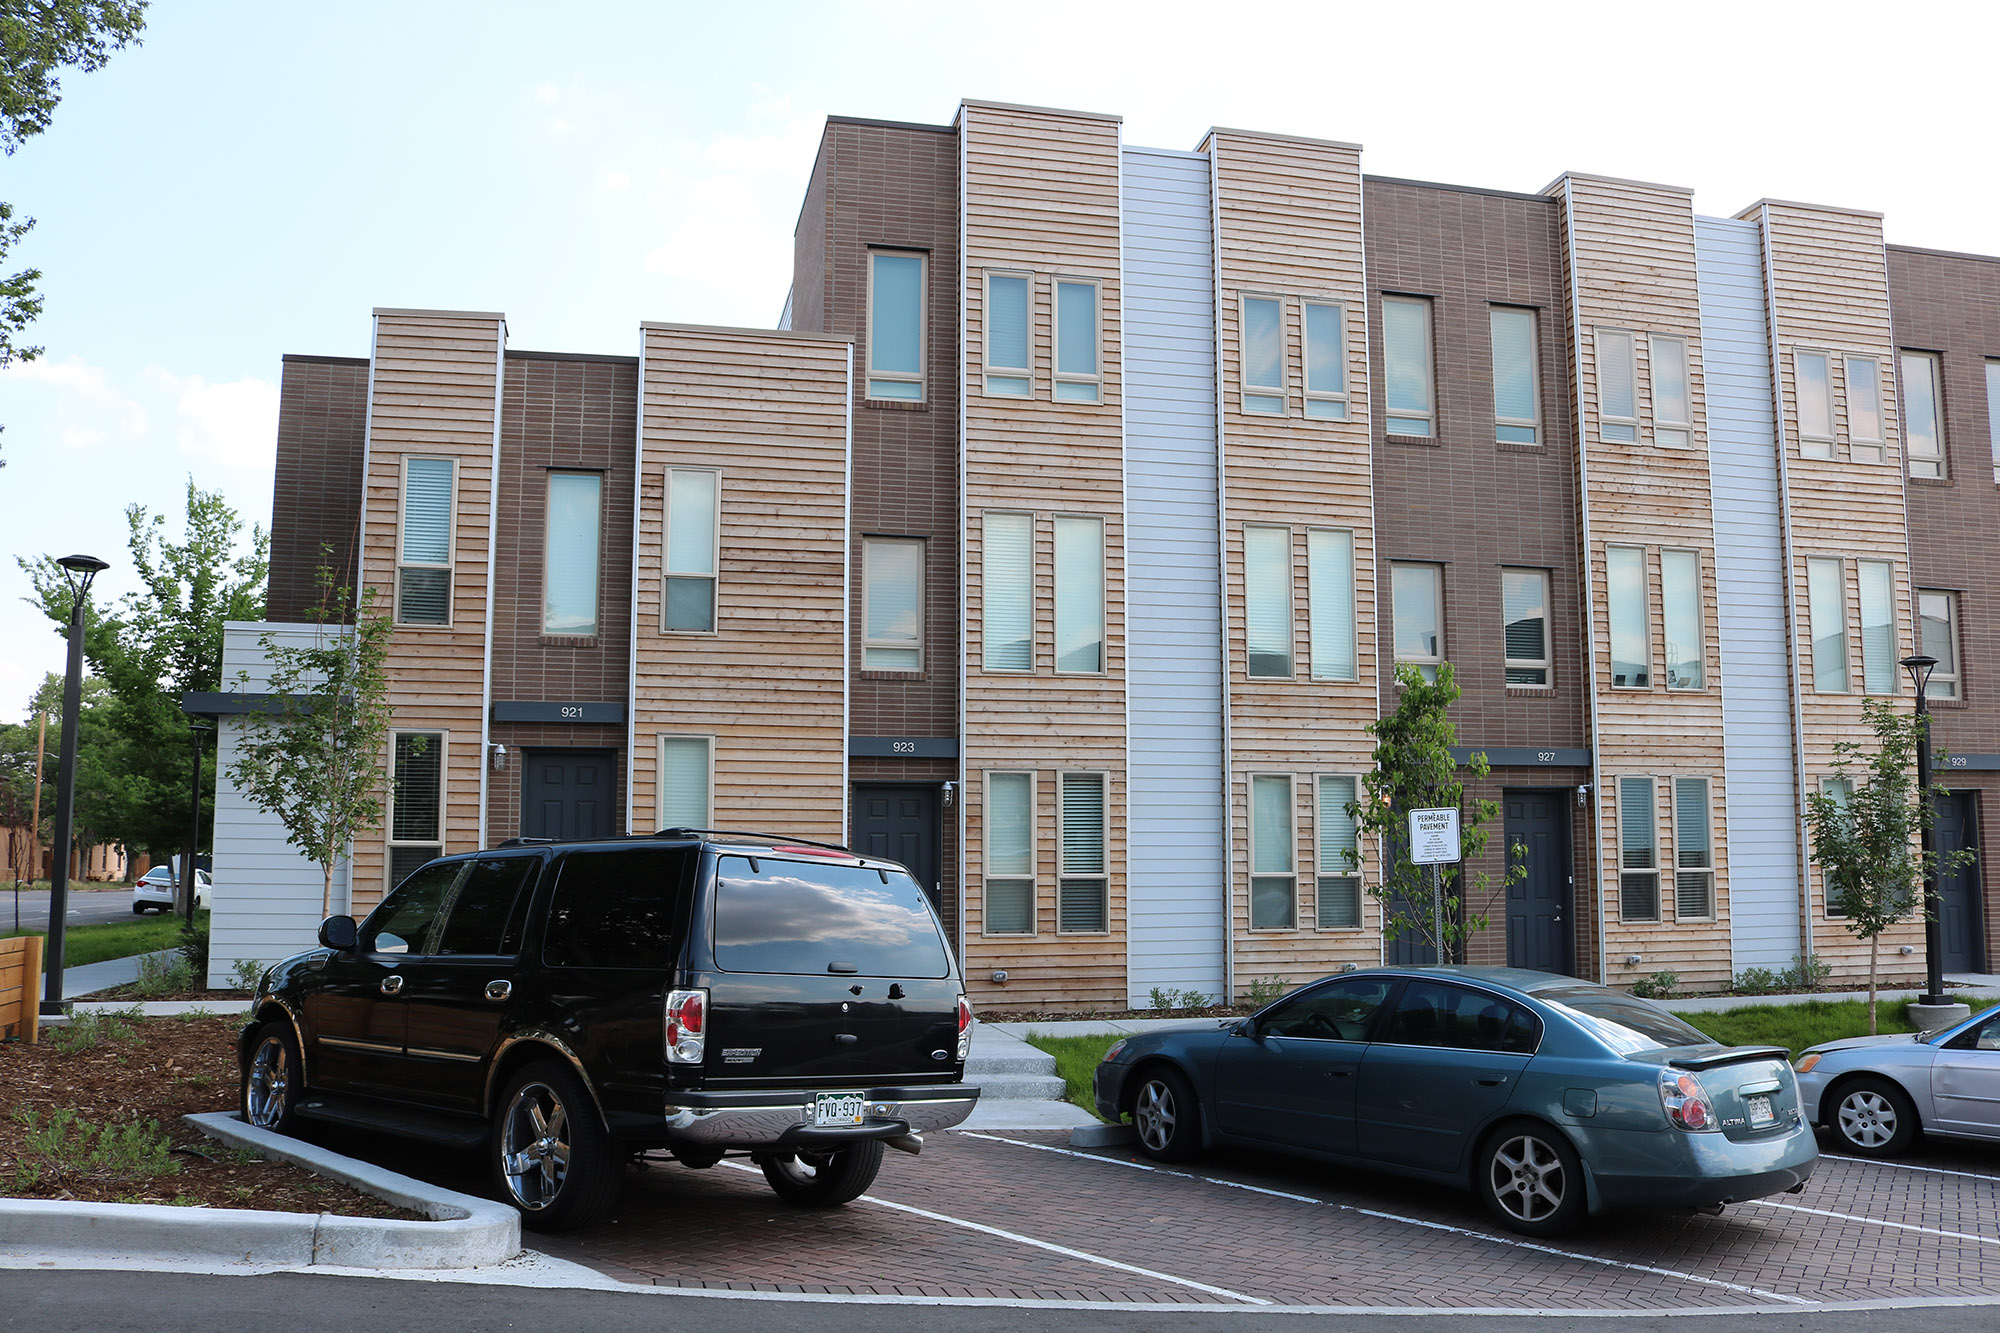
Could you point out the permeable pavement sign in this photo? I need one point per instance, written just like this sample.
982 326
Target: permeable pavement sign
1434 836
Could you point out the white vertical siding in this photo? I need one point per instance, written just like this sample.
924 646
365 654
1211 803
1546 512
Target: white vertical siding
1750 596
1178 873
266 897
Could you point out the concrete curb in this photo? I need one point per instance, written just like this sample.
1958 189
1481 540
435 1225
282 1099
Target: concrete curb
1102 1136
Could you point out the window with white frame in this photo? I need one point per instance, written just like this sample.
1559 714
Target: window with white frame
1081 898
1007 591
1673 404
1077 335
1826 605
1263 356
1630 610
1079 593
416 802
1878 627
1337 885
1326 361
1841 792
1406 356
1010 854
1516 403
1273 874
571 554
1937 613
687 781
1267 601
1638 852
1008 370
1617 387
1993 413
1417 616
1524 602
1330 603
1923 415
687 592
1694 863
1681 618
892 595
896 325
423 561
1864 409
1814 385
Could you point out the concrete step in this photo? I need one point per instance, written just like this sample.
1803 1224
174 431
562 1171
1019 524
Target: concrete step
1026 1061
1017 1087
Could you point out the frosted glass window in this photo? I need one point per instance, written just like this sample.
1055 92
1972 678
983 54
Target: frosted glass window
689 591
423 569
1681 612
1007 371
1993 413
1330 603
570 563
1010 854
1864 409
1923 419
1326 362
1076 341
1417 608
1079 594
896 326
1826 601
686 776
1878 626
1673 411
1267 597
1263 355
892 584
1625 595
1008 590
1617 388
1638 862
1937 613
1338 885
1815 389
1273 895
1524 601
1080 893
1516 418
1694 866
1406 352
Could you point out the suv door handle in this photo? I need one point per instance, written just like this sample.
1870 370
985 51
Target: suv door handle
391 985
499 990
1493 1082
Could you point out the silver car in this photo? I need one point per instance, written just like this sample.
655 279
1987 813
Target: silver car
1874 1095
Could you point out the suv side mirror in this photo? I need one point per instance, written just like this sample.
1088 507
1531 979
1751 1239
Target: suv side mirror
338 933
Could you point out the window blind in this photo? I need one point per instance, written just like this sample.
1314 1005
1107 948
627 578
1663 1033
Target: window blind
691 523
1081 902
1694 879
1010 847
1007 323
1267 578
1639 882
1271 819
1008 591
1614 376
1330 593
569 581
893 575
1524 603
1514 375
1414 589
1339 887
1680 611
1326 369
419 787
1263 344
684 786
1826 598
1079 594
1878 626
1076 328
1406 348
427 511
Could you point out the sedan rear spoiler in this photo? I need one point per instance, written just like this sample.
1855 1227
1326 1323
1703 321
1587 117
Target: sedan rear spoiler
1731 1055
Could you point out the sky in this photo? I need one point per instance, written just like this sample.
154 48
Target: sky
256 178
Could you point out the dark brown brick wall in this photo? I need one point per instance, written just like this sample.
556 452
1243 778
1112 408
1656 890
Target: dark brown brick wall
316 496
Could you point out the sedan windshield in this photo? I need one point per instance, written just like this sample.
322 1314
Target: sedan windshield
1625 1024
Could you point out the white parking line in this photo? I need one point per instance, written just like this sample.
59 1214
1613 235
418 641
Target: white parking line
1905 1166
1050 1246
1878 1222
1413 1221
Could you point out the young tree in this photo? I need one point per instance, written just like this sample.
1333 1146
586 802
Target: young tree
1414 770
315 759
1865 832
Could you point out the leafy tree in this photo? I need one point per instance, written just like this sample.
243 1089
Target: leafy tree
1865 834
315 760
1414 770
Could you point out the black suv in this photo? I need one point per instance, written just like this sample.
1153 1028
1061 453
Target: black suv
569 1005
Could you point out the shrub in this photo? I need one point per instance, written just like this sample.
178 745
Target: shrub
164 974
93 1027
1807 972
1658 986
246 973
1756 981
1263 991
66 1147
194 949
1167 998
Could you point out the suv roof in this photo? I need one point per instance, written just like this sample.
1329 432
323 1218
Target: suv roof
776 843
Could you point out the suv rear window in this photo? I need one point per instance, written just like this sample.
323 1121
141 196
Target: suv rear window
616 908
811 920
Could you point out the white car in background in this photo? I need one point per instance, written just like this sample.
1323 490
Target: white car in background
155 891
1875 1095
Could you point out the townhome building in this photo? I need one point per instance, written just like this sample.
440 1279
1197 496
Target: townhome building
1067 533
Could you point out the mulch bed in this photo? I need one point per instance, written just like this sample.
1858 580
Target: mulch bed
157 1070
130 992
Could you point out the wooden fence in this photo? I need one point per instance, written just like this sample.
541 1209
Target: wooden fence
20 987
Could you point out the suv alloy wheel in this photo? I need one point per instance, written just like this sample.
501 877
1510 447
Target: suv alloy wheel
551 1158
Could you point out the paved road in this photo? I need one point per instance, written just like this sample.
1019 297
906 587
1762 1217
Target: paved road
86 906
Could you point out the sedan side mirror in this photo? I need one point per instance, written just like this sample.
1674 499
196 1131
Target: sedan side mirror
338 933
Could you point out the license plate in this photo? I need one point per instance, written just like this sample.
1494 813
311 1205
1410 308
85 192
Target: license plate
1761 1113
851 1108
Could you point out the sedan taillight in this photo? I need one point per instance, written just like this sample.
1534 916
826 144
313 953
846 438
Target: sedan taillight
964 1028
1687 1105
687 1026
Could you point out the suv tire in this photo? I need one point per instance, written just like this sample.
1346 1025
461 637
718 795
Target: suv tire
551 1159
272 1081
824 1179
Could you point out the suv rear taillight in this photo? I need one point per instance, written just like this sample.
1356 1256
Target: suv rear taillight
687 1026
964 1028
1686 1104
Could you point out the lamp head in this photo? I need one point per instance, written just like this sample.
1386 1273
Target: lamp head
1920 666
83 564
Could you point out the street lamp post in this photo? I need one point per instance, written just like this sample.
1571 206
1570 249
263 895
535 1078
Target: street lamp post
79 570
191 874
1920 666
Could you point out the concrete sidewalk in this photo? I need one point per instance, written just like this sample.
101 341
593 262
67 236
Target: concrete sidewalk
94 977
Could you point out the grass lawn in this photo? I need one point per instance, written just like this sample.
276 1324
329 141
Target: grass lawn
119 939
1076 1060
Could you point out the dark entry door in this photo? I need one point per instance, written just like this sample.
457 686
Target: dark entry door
1959 925
567 794
901 824
1539 932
